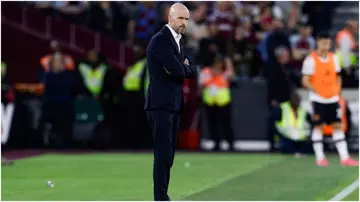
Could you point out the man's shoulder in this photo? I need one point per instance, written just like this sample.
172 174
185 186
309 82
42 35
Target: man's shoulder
158 39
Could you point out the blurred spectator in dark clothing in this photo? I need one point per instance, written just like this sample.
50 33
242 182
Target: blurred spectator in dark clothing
302 44
109 18
275 39
319 14
73 11
279 82
293 17
142 23
58 79
239 50
211 46
224 19
161 22
58 82
197 28
266 27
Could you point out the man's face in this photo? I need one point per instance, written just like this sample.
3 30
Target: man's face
295 100
324 44
179 20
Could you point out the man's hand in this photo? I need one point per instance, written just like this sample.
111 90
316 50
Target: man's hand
186 61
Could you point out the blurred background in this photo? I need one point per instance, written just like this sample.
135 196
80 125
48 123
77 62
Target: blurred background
74 73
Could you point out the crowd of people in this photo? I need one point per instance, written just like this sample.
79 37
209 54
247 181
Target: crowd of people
255 39
246 32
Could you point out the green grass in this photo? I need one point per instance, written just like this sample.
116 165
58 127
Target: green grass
209 177
354 196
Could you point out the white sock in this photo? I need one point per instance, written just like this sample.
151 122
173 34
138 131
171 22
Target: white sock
341 144
318 146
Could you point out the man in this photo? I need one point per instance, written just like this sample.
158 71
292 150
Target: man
346 45
168 67
292 124
321 76
216 96
280 84
302 44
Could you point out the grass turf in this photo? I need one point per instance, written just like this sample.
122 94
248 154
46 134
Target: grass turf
354 196
209 177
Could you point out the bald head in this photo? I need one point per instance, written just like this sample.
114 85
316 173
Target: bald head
178 17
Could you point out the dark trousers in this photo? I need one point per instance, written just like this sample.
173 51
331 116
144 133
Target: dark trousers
164 128
60 117
219 123
289 146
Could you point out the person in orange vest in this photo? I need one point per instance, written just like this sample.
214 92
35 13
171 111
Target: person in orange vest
345 119
57 109
38 88
321 76
216 96
55 48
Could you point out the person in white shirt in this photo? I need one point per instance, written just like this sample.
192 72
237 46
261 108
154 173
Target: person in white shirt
321 76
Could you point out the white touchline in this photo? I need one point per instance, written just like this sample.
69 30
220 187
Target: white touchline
346 191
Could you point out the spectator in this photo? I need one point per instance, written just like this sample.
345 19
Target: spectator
346 45
294 17
302 44
55 48
58 80
92 77
197 28
262 35
239 50
279 82
141 25
292 124
319 14
109 18
346 51
73 11
215 84
224 19
275 39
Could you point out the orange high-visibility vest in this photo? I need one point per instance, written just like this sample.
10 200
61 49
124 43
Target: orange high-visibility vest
69 63
345 33
324 79
328 130
216 87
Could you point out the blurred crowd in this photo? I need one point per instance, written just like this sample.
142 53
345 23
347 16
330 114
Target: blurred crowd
259 40
246 32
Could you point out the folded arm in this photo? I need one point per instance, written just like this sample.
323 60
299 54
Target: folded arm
162 51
